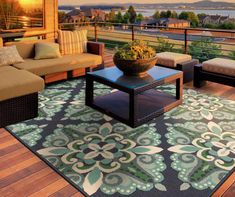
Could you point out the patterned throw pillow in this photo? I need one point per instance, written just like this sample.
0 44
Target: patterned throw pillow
9 55
72 42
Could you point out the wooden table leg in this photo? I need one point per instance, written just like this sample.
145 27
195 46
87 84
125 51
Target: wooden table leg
89 90
133 109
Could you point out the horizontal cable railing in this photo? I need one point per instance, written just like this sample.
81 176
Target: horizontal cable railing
200 43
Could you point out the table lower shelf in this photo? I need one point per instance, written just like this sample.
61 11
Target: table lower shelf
150 104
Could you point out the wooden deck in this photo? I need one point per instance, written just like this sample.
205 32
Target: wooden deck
24 174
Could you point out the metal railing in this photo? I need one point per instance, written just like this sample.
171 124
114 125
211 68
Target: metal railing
182 39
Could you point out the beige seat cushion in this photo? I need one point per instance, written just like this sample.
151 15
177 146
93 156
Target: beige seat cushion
66 63
7 69
16 83
220 65
170 59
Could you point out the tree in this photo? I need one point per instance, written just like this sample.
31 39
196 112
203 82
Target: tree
204 49
126 18
8 9
119 17
168 14
174 14
61 16
112 16
193 18
163 14
156 15
132 14
190 16
139 18
183 15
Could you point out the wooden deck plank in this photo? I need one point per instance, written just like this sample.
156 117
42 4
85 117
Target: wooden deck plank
30 176
22 174
50 189
66 191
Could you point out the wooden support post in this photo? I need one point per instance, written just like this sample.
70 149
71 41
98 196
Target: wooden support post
185 41
96 34
133 32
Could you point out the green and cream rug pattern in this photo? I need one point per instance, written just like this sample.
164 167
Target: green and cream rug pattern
188 151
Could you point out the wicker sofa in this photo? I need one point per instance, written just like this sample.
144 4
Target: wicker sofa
66 67
20 83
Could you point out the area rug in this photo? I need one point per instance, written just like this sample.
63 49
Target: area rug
189 151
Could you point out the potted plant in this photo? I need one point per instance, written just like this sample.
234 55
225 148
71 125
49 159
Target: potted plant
135 58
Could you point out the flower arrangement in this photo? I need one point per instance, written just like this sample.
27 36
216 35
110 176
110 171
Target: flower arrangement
135 50
135 58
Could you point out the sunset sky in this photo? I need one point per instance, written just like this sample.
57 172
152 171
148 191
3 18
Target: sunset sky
83 2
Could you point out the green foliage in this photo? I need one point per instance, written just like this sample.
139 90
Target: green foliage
61 15
164 45
139 18
126 18
204 49
190 16
232 55
163 14
174 14
119 17
183 15
112 16
132 14
156 15
227 25
135 50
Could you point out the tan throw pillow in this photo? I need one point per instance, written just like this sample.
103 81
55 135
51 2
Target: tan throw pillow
72 42
9 56
47 51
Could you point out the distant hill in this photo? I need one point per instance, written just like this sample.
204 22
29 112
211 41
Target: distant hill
215 4
205 4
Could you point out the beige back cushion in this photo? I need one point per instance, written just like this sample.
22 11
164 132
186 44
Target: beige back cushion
26 49
72 42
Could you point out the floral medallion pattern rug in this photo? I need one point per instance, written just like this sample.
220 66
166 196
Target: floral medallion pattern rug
188 151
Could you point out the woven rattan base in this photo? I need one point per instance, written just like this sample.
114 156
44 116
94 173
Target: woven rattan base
18 109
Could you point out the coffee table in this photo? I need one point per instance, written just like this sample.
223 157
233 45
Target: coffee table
136 100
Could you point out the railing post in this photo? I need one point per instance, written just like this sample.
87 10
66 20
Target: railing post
132 32
96 35
185 41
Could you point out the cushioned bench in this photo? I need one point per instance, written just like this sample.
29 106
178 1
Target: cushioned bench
178 61
66 64
19 95
217 70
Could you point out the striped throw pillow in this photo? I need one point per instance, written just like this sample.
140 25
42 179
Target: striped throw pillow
72 42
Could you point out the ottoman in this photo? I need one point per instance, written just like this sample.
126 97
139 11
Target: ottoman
178 61
218 70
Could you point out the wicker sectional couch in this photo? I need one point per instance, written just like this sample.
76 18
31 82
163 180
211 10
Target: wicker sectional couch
20 83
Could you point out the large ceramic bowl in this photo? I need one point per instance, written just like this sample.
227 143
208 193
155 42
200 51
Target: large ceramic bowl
135 67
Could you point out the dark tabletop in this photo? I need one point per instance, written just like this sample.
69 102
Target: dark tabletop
116 76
